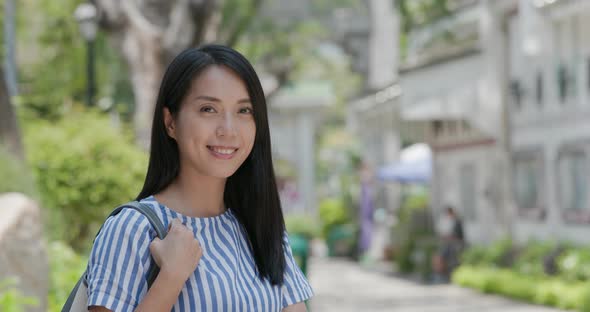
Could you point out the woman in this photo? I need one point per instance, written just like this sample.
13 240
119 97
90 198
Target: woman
211 181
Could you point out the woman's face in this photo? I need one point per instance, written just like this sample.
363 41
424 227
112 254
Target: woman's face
215 127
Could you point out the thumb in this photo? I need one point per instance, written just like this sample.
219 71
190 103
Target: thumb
155 244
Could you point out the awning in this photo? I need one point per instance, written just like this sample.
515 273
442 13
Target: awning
415 166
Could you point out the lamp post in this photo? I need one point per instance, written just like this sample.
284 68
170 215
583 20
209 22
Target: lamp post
86 16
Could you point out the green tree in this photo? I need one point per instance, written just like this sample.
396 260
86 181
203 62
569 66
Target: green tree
53 62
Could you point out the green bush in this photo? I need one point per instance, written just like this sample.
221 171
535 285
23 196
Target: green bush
550 291
533 259
304 225
12 300
499 253
16 177
333 212
83 168
66 267
574 264
414 235
541 272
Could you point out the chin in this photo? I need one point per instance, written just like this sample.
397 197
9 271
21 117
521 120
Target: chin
223 174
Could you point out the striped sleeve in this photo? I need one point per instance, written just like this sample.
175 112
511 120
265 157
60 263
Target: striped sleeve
295 287
119 261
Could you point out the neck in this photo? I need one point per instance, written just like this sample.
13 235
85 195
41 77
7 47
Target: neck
194 195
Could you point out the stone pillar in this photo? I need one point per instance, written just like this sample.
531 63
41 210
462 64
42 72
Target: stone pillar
383 44
492 116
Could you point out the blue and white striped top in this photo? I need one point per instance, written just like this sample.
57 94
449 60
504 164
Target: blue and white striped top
224 280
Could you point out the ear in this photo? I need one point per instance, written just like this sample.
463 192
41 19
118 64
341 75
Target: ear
169 123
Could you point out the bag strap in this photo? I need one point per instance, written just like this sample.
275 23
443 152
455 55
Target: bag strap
156 224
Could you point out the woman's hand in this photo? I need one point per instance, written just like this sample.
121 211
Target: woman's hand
178 254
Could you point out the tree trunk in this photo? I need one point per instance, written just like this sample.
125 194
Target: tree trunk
150 34
9 130
144 56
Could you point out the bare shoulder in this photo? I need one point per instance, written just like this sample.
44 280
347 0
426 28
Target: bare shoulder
99 309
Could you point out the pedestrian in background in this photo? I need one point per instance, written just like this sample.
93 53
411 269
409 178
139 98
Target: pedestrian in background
451 244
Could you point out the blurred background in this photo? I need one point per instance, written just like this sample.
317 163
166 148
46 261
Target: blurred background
431 155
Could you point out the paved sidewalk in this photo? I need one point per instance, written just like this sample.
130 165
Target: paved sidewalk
344 286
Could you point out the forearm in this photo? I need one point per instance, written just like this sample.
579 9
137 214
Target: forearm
162 295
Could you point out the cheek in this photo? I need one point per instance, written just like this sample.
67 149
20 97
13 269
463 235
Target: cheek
192 132
250 137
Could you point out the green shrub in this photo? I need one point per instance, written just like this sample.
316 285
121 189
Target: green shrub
532 259
333 212
16 177
574 264
12 300
499 253
304 225
66 267
83 167
414 235
551 291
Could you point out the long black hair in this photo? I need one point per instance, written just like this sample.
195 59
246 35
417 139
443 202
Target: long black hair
251 191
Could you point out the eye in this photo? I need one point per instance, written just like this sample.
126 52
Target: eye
245 110
207 109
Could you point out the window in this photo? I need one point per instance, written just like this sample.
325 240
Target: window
466 127
539 88
468 191
566 82
517 93
437 128
452 127
562 82
526 181
573 180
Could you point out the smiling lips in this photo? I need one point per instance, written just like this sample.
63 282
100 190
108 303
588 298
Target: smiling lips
222 152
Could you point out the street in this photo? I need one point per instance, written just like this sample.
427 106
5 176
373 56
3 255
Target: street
341 285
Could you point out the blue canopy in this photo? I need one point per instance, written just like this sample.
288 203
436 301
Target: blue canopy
415 166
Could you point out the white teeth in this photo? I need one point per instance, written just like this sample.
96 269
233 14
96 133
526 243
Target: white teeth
223 151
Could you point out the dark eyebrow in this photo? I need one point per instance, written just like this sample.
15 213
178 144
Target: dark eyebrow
214 99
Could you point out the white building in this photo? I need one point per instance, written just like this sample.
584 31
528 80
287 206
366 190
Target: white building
550 119
513 80
451 82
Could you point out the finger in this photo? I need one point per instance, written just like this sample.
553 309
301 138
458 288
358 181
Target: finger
155 243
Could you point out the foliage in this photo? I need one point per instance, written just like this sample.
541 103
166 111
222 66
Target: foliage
574 264
412 203
16 177
53 76
542 290
66 268
333 212
498 254
12 300
537 258
84 167
414 13
301 224
548 273
414 235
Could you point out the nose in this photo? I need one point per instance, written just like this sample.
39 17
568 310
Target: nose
227 126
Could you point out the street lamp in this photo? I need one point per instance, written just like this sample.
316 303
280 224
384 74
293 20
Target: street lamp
87 17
